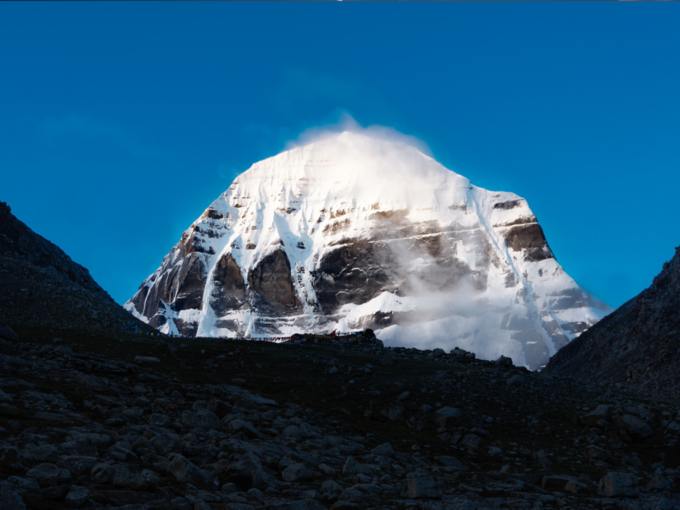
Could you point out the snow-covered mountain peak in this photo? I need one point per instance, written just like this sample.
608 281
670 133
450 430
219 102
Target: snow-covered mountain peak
353 231
355 167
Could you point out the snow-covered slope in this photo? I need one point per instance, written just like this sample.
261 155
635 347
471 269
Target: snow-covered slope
354 231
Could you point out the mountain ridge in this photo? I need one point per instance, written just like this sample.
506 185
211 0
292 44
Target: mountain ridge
636 345
41 284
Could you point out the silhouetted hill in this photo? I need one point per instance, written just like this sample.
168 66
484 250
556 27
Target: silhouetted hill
40 284
637 345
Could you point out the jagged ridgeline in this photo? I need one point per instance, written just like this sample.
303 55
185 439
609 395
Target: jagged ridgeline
353 232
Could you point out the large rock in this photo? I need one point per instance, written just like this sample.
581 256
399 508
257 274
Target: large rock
384 450
128 479
453 463
78 464
297 472
247 472
10 500
102 473
421 486
636 428
203 419
616 484
601 412
167 442
49 475
185 471
245 427
448 416
77 496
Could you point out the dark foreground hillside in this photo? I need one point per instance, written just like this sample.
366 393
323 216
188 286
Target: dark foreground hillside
637 346
235 425
40 284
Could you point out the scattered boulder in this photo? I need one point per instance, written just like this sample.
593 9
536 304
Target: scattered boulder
330 487
246 473
448 416
384 449
78 464
470 441
636 428
421 485
246 427
203 419
615 484
297 472
453 463
10 500
77 496
49 475
601 412
167 442
394 411
556 482
102 473
185 471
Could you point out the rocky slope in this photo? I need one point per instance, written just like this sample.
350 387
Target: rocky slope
212 425
638 345
40 284
353 231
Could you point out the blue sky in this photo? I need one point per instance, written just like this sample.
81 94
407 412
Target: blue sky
121 122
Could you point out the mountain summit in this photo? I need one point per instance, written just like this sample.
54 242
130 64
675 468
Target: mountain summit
354 231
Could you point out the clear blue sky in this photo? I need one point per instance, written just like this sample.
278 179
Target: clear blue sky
121 122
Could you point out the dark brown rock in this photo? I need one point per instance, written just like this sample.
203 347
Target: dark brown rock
530 240
271 280
229 291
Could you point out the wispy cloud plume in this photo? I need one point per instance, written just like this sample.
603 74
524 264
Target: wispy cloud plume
347 123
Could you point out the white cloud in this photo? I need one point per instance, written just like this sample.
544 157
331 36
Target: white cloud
347 123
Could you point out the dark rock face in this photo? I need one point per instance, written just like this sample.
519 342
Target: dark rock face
530 239
271 281
360 269
354 273
190 282
229 291
182 285
636 345
40 284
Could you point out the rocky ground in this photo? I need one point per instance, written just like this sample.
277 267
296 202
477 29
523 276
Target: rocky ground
111 420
